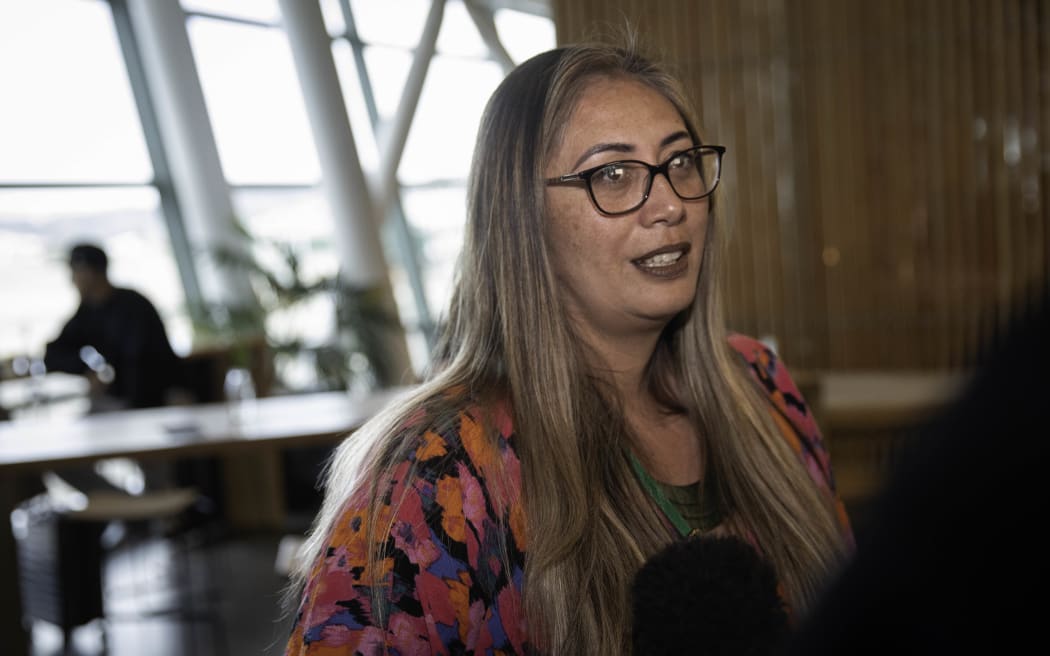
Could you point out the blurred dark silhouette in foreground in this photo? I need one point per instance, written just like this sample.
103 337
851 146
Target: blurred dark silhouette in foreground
953 562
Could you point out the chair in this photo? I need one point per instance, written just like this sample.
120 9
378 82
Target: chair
52 549
86 557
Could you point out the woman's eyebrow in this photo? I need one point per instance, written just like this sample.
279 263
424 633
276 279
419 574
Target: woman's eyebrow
616 147
620 147
675 136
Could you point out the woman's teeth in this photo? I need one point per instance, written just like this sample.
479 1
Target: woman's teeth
663 259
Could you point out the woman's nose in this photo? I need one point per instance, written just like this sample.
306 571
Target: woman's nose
663 204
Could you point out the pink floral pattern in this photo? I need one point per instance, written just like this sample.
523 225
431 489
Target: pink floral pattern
446 588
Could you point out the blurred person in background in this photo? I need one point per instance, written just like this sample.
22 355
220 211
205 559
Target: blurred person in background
116 338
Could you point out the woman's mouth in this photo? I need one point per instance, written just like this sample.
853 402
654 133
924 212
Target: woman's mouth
666 262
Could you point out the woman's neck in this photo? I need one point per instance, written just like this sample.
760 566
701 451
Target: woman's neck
667 442
622 360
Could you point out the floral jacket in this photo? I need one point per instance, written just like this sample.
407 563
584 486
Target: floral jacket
447 590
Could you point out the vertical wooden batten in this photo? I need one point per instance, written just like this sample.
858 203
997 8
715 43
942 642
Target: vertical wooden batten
888 165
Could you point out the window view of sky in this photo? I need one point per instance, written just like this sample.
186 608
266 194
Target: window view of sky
74 164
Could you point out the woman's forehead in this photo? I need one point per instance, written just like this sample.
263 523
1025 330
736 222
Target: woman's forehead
618 111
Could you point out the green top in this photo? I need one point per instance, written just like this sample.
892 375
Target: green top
693 508
697 503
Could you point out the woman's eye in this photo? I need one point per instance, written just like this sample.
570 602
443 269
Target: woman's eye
681 161
612 174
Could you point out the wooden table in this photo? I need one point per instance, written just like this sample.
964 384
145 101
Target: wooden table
877 400
868 417
30 446
51 393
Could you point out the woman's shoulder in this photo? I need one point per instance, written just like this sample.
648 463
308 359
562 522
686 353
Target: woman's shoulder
792 413
421 442
448 524
453 429
454 462
775 379
455 465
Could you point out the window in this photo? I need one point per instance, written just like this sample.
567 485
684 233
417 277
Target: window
73 166
254 102
434 167
74 162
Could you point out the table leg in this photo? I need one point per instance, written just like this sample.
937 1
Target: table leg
13 632
255 490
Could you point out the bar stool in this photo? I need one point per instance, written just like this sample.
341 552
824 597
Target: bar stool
69 555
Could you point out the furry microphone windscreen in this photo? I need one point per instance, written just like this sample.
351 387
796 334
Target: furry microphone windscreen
707 595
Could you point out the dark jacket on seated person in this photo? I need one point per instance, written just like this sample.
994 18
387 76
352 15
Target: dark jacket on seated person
128 332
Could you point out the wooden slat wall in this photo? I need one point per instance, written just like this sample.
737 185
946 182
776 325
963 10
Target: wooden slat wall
888 169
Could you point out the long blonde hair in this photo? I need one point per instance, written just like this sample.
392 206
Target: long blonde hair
590 524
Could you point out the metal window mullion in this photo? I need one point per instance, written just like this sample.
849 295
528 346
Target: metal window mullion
362 70
76 185
393 146
271 186
252 22
392 208
485 21
158 157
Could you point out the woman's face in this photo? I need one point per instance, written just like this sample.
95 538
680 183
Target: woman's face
632 272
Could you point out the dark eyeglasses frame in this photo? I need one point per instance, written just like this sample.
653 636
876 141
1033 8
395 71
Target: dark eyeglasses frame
584 176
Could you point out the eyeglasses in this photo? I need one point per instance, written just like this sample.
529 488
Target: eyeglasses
623 186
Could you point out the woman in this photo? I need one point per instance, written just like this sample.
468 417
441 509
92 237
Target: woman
586 382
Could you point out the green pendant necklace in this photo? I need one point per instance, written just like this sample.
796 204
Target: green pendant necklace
653 488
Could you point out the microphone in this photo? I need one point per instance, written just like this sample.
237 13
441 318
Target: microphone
707 595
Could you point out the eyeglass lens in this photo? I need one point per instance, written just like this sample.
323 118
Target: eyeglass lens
622 186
